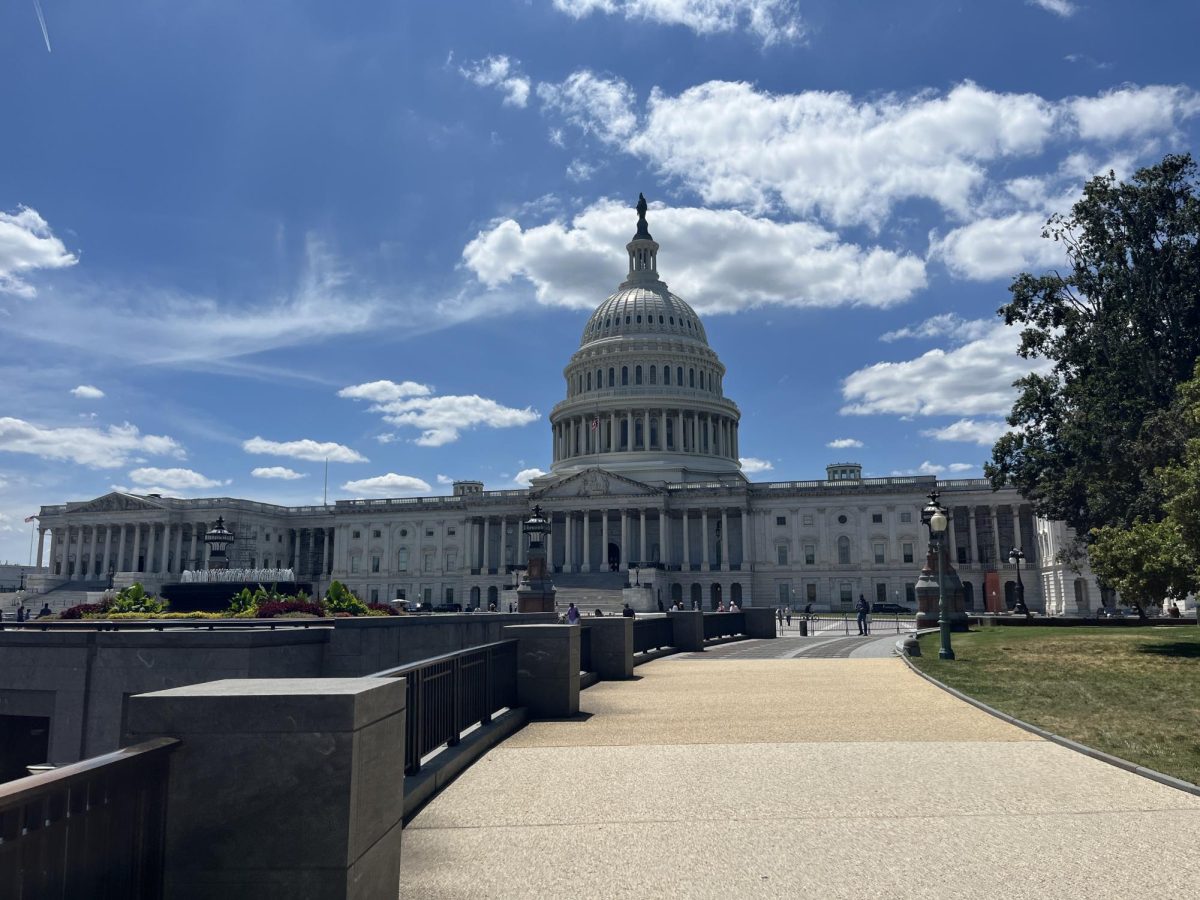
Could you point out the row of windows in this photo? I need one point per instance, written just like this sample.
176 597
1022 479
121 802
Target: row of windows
845 593
707 381
876 519
637 319
356 534
427 561
878 550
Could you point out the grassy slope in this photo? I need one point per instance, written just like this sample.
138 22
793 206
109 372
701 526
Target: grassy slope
1134 693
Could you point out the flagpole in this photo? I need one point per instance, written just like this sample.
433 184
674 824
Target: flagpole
32 531
325 498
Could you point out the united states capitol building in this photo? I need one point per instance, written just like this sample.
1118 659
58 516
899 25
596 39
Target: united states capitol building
645 490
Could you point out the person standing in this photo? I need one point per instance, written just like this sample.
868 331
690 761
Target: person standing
628 612
572 614
788 615
779 616
862 608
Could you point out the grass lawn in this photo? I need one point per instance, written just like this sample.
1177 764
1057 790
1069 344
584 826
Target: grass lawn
1134 693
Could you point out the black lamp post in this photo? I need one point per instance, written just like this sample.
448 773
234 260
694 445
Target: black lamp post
218 538
1015 556
933 516
637 577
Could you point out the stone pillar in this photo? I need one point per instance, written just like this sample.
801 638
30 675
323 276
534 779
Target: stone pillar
704 539
612 432
624 540
568 543
587 542
547 668
645 429
995 535
642 536
317 813
747 527
324 549
687 626
952 543
487 534
333 550
120 563
178 547
1016 517
91 563
687 542
192 561
973 535
41 544
503 543
604 540
760 622
725 542
150 542
137 546
665 556
678 448
628 440
612 647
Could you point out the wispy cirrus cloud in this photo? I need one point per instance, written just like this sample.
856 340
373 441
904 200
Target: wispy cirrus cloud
771 21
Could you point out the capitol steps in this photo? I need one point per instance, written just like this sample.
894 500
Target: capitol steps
588 600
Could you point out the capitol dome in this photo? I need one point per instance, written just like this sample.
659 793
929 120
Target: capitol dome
644 389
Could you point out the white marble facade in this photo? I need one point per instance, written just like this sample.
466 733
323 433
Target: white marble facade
645 476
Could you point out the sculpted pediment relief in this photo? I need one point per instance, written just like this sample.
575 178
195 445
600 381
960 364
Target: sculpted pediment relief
115 502
594 483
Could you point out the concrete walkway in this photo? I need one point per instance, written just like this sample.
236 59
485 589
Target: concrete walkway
794 777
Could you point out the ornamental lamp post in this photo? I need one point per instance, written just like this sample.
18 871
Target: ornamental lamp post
1015 556
535 593
218 538
934 517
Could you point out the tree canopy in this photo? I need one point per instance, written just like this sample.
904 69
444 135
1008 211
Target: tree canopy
1121 328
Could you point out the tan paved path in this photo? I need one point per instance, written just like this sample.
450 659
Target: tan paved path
794 778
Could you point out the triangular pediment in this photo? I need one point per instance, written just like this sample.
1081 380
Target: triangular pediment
594 482
116 501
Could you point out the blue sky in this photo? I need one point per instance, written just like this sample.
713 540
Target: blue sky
237 238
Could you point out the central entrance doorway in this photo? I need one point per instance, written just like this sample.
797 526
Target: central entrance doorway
614 557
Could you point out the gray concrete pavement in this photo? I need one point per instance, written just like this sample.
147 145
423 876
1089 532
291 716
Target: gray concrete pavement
718 776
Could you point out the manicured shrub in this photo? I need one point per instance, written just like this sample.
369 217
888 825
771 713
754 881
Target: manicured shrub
273 608
80 610
382 609
134 599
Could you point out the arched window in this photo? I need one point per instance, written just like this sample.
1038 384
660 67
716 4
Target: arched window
666 374
701 379
843 551
637 375
679 375
599 379
612 378
691 377
624 375
589 381
654 375
402 559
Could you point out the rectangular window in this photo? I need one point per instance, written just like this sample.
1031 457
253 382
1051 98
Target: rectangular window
449 595
785 593
400 593
910 594
810 592
906 517
908 552
427 594
428 532
781 520
354 564
877 518
847 593
376 533
810 554
374 563
807 520
374 595
962 555
781 553
356 535
402 560
451 560
450 531
428 562
880 553
881 593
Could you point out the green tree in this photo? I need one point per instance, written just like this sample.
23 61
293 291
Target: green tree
1146 563
1122 329
339 598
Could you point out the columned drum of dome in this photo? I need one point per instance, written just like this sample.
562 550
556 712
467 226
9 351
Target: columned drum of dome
644 390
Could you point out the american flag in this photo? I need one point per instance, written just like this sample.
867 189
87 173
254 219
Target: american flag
595 423
29 519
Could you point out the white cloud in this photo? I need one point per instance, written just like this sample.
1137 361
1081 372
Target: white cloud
972 380
999 247
389 485
1064 8
445 480
578 170
280 472
1132 111
984 432
441 419
87 392
592 103
525 477
931 468
500 72
752 465
962 467
771 21
306 449
98 448
949 325
172 479
719 260
844 443
26 245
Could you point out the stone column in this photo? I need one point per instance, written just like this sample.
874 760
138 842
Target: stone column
628 440
996 534
678 448
974 535
55 543
120 563
137 546
151 538
324 549
704 539
332 550
747 525
604 540
41 544
192 561
624 540
91 563
951 543
568 543
725 542
687 542
587 542
1016 517
550 545
503 543
179 547
642 536
487 534
612 432
645 429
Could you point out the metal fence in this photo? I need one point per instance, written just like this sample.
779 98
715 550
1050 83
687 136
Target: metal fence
652 634
449 694
718 625
91 829
833 624
585 649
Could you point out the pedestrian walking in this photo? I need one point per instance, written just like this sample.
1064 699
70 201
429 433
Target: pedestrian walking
779 616
862 608
572 614
788 616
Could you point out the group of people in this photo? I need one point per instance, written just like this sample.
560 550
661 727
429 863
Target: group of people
24 615
572 615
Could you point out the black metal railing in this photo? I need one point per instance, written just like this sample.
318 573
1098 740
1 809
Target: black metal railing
451 693
652 634
834 624
723 624
91 829
164 624
585 649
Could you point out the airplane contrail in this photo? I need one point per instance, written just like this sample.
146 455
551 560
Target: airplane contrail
37 6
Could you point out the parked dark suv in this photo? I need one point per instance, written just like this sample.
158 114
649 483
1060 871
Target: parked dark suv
890 608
